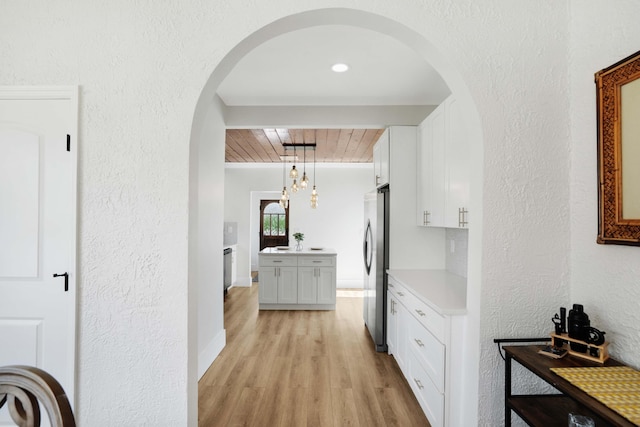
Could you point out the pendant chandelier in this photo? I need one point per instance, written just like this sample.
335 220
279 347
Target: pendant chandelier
305 179
284 197
293 173
314 192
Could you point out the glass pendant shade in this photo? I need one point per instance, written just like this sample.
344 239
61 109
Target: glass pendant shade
284 198
314 198
305 181
294 186
293 174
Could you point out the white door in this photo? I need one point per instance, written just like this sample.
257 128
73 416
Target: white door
38 231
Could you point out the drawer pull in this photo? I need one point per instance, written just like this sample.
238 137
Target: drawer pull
277 260
391 285
421 313
401 294
418 383
420 343
317 262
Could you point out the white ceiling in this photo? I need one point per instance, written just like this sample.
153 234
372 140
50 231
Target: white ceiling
294 69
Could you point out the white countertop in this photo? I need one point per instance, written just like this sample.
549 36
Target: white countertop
444 292
292 251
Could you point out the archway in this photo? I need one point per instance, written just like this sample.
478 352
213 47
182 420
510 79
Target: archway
207 174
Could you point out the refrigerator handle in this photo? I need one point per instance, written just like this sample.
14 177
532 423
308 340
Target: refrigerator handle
367 250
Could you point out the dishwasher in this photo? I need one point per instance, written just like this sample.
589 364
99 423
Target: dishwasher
226 268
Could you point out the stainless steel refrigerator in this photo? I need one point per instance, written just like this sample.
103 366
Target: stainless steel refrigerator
375 249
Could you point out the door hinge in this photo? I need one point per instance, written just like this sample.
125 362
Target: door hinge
68 142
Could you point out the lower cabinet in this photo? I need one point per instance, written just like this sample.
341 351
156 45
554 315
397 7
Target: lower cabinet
268 290
430 398
316 280
396 330
287 285
297 282
417 337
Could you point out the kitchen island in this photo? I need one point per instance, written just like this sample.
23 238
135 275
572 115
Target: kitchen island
297 280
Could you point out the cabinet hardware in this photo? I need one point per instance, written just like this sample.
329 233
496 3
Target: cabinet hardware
390 285
377 179
418 383
421 313
462 217
66 280
277 260
401 294
317 262
420 343
425 218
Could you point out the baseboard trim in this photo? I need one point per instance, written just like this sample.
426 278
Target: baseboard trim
243 282
349 284
211 352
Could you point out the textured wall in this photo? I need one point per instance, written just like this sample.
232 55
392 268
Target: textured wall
523 102
605 278
141 67
138 88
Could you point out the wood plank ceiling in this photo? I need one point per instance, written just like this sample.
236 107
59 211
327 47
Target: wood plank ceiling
332 145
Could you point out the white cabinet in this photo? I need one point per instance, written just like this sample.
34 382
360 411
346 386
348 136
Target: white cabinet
326 285
278 280
297 281
421 340
381 160
392 324
396 326
307 285
268 290
443 168
316 280
234 264
458 164
287 285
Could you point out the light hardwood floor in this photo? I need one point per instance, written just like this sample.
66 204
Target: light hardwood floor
302 368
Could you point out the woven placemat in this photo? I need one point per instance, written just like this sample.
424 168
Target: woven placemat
617 387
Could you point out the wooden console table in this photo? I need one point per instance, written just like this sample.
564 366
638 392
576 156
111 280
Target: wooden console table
553 409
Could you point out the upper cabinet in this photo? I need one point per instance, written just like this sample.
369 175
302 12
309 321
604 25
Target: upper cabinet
443 168
381 160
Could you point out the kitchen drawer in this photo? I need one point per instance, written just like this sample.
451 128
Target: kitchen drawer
434 322
400 292
278 261
430 399
317 261
429 351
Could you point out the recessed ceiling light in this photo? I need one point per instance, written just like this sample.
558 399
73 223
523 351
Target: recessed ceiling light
339 68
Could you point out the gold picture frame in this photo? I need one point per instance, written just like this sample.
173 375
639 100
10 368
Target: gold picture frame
618 106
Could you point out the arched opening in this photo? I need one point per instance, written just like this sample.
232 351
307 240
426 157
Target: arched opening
206 195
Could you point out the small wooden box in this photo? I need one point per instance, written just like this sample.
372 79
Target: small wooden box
601 350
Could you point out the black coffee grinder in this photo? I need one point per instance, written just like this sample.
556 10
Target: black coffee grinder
578 327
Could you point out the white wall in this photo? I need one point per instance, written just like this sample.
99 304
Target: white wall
337 222
605 278
206 229
142 67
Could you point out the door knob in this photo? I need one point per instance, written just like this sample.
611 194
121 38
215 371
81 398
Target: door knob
66 280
